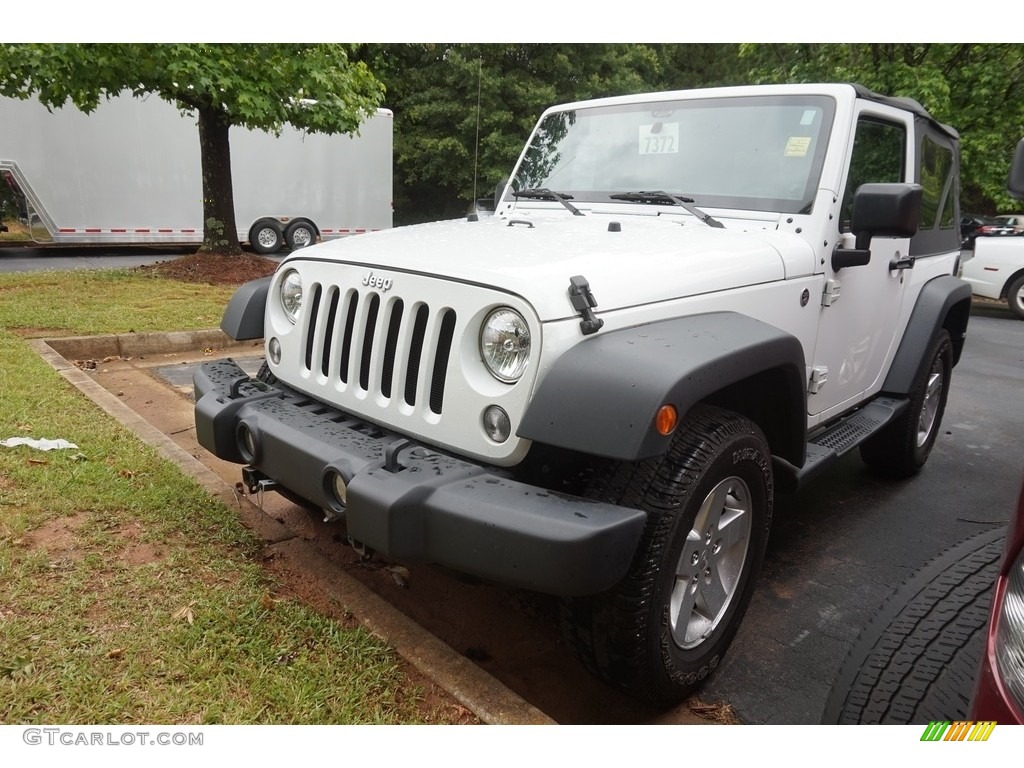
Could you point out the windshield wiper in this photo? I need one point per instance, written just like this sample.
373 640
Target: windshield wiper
543 193
664 197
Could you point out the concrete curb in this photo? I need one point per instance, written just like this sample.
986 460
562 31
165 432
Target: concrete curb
478 691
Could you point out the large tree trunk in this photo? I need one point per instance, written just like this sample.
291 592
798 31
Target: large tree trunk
220 235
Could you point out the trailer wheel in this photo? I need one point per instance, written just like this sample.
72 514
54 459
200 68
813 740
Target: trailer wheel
266 236
299 234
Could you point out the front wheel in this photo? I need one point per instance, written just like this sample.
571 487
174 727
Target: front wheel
660 632
1015 296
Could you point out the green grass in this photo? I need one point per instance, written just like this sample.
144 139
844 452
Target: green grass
19 233
129 595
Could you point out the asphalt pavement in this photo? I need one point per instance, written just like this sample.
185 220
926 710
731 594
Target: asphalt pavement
842 547
14 258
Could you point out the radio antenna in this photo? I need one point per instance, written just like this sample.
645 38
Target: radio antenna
476 150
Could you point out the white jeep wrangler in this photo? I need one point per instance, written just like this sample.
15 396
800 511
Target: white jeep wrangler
684 302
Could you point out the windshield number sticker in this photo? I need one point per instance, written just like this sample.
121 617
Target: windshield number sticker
659 139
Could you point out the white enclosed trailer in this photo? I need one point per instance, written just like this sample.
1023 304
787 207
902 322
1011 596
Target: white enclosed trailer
130 173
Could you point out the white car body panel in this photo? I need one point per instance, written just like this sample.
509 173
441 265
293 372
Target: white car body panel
995 262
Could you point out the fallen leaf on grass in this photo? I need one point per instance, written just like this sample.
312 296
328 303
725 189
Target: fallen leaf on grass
38 461
185 613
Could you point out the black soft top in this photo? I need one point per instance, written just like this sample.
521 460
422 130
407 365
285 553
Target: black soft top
904 102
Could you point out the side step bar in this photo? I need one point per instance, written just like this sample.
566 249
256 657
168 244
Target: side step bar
826 447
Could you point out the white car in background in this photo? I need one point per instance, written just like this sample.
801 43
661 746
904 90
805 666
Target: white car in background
996 271
1013 223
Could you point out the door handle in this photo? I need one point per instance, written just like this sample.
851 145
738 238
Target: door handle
907 262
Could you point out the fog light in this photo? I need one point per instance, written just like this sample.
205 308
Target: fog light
497 424
246 443
337 489
274 349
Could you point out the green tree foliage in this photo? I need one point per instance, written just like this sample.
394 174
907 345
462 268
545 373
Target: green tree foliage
463 112
259 86
978 88
434 91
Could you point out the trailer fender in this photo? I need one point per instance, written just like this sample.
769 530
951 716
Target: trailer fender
601 397
944 302
243 318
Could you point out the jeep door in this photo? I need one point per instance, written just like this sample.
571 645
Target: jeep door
860 312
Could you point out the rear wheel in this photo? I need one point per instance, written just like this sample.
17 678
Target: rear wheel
266 236
1015 297
902 448
661 631
300 234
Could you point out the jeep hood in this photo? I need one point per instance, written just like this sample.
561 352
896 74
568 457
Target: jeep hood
627 259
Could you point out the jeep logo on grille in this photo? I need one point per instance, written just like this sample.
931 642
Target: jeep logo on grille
373 281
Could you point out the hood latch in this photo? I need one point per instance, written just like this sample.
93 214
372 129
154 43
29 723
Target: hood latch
583 301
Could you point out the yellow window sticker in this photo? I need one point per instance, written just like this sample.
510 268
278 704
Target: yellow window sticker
797 146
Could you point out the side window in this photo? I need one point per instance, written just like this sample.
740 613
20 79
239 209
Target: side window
936 182
878 157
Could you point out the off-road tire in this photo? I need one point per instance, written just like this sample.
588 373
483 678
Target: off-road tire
903 447
264 374
629 636
917 659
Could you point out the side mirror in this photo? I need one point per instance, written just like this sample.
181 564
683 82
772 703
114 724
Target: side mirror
885 210
1015 184
879 210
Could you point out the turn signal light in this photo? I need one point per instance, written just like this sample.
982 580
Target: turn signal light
666 420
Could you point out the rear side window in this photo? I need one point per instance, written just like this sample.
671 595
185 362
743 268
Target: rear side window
937 211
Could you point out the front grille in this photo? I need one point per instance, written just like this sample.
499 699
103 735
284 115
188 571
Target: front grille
379 345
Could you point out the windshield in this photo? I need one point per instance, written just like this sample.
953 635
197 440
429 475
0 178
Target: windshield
761 153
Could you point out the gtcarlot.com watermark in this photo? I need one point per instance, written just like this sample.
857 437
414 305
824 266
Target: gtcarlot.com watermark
110 737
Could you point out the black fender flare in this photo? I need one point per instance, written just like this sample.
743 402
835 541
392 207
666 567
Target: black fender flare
944 302
243 316
602 395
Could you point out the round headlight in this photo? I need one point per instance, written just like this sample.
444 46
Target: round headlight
505 344
291 294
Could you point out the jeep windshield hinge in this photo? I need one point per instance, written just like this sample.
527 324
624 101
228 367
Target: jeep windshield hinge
583 301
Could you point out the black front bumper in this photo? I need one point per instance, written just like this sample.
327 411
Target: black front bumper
411 502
